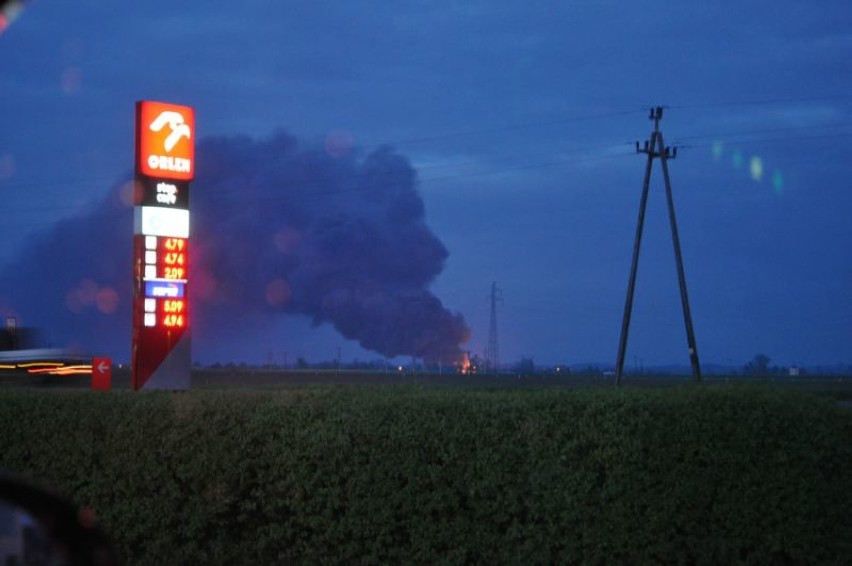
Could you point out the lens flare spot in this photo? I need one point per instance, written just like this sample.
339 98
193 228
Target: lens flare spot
204 285
718 149
755 167
130 193
88 291
286 240
737 160
88 294
338 143
278 293
777 182
71 80
107 300
10 11
74 301
7 166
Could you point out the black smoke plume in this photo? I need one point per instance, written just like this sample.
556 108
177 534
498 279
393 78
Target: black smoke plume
276 227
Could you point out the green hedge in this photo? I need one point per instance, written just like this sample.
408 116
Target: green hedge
385 475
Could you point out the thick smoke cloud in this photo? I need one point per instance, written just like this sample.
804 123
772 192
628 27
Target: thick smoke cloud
277 228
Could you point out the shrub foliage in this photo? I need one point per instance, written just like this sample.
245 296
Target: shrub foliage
383 475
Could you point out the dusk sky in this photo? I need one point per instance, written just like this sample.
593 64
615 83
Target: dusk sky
518 120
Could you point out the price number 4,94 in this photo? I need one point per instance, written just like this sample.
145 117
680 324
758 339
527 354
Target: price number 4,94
173 320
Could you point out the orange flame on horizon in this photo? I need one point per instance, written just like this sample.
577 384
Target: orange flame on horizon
464 368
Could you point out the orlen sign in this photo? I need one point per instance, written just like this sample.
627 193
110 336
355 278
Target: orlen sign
164 140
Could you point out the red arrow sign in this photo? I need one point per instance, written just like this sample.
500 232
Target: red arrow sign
101 374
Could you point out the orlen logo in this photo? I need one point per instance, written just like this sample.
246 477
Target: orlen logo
165 147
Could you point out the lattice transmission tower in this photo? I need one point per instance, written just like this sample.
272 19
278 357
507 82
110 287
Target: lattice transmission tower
492 351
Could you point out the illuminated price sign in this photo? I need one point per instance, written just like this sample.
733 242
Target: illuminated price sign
173 313
164 276
173 306
166 258
174 258
169 272
173 321
165 312
165 165
173 262
174 244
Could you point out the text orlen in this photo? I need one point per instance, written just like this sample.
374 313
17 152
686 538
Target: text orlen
168 163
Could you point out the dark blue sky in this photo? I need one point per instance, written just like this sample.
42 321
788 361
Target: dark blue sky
519 120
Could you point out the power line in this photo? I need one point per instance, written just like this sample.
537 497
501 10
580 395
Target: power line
790 129
763 102
47 209
724 136
507 128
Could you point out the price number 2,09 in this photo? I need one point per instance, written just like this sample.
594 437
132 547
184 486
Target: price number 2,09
174 272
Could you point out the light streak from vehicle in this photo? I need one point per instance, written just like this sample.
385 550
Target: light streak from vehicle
63 370
34 364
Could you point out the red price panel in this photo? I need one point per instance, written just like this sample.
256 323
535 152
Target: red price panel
172 259
173 306
173 313
174 321
174 244
172 272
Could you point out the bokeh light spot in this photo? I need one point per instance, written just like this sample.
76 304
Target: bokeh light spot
71 80
7 166
9 13
287 239
718 149
107 300
755 168
88 291
278 293
737 159
777 182
338 143
74 300
128 193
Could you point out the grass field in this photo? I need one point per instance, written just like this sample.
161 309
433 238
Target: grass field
269 470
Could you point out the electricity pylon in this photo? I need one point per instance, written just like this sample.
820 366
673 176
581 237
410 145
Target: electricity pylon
492 355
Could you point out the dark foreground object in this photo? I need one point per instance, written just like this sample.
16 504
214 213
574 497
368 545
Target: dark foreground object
43 527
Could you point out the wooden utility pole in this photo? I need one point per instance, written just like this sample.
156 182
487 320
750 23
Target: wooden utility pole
656 148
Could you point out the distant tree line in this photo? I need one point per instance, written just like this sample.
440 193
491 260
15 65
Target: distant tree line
525 366
760 366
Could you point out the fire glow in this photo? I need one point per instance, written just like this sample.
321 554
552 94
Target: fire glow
465 368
